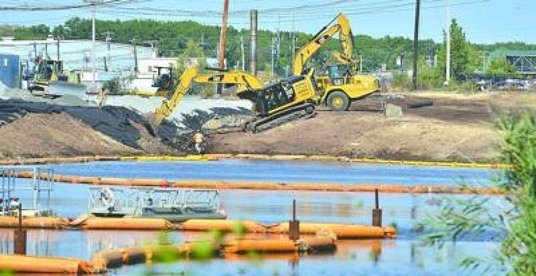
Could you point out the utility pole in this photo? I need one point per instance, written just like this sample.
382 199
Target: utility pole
223 33
416 43
278 48
134 41
58 47
447 65
253 44
108 46
293 37
93 49
484 67
360 64
242 53
273 58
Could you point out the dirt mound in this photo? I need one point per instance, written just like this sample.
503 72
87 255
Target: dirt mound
41 129
457 127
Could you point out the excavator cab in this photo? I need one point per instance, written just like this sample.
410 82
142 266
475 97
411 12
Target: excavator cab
163 78
163 81
338 73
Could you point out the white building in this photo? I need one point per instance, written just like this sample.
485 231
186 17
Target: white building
148 70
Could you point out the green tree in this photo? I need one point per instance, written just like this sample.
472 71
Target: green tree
501 67
428 76
460 51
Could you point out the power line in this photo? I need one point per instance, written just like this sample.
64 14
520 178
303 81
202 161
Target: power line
62 7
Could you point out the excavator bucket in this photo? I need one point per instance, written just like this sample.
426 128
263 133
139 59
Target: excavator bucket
150 123
61 88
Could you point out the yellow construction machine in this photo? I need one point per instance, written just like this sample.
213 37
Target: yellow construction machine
51 81
341 84
273 104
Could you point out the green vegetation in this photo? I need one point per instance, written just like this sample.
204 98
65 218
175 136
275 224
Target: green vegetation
517 218
460 49
180 39
501 67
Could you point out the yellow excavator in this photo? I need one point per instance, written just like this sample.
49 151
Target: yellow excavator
342 83
274 104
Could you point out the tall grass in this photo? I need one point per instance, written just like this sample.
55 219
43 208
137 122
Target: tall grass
458 217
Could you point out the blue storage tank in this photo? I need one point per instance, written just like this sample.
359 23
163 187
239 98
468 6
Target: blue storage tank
10 70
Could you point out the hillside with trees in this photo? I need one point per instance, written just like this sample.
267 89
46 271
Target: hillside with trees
172 39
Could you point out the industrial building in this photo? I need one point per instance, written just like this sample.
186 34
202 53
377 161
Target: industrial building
112 59
524 61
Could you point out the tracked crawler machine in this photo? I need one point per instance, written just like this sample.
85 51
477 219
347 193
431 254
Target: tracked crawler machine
273 104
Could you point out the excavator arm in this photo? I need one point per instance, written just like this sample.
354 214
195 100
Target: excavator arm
244 80
339 25
167 106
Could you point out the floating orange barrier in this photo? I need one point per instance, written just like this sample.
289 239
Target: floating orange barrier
251 185
113 258
221 225
342 231
29 264
107 259
309 244
126 223
34 222
132 255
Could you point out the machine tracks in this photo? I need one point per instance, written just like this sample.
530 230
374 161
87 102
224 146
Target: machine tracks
305 110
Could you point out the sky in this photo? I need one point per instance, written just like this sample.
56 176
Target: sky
484 21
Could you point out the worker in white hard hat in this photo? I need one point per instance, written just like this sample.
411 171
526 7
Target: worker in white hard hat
198 140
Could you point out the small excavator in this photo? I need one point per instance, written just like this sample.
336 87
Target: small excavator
50 80
274 104
342 83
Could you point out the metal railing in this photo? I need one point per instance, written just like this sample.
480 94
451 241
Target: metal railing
131 201
12 188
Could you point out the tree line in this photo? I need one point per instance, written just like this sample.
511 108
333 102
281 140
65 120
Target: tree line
389 52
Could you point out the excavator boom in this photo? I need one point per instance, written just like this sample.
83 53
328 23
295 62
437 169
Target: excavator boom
339 25
342 84
167 106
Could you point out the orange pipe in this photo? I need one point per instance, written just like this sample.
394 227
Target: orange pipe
127 223
107 259
37 222
342 231
133 255
29 264
251 185
221 225
240 246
